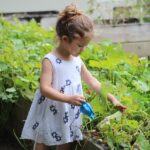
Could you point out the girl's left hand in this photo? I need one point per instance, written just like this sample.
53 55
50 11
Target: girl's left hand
116 103
119 106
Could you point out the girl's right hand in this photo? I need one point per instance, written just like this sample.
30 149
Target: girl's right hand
76 100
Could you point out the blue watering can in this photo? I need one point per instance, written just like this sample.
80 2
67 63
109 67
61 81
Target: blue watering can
86 109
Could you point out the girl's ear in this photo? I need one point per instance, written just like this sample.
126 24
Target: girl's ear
65 38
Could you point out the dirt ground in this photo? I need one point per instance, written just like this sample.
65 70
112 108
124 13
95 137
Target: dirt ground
7 144
8 141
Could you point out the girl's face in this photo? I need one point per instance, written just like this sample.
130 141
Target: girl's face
77 46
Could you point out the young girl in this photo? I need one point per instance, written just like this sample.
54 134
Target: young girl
54 117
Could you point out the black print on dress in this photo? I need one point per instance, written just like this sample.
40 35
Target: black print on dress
68 82
72 106
65 118
41 99
77 136
62 90
71 132
58 61
56 136
77 68
53 109
77 114
35 125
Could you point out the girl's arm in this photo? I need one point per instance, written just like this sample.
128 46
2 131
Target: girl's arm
95 85
91 81
47 90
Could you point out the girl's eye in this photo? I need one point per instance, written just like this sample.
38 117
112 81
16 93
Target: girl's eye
80 46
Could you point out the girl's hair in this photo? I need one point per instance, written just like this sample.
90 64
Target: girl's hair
72 23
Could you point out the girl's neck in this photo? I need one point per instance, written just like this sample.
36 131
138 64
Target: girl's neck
62 53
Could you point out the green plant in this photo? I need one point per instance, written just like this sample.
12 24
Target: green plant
22 47
138 10
128 77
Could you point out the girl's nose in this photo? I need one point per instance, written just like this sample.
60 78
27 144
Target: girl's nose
82 48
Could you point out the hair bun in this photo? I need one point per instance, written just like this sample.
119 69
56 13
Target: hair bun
70 11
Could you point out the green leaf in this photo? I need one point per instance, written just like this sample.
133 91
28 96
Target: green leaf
133 124
11 90
106 121
18 44
142 142
3 66
27 94
141 85
24 79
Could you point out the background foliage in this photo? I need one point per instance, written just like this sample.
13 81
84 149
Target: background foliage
139 11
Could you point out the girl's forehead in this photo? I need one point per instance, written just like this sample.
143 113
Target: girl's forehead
86 39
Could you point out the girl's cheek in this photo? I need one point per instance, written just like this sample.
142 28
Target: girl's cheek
76 54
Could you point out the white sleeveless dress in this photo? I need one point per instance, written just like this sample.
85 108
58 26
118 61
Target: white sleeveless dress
52 122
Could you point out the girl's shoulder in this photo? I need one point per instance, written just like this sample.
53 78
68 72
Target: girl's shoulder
50 56
54 59
79 60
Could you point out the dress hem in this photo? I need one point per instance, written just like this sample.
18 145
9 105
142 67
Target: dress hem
48 144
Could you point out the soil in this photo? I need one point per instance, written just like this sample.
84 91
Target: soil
7 144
